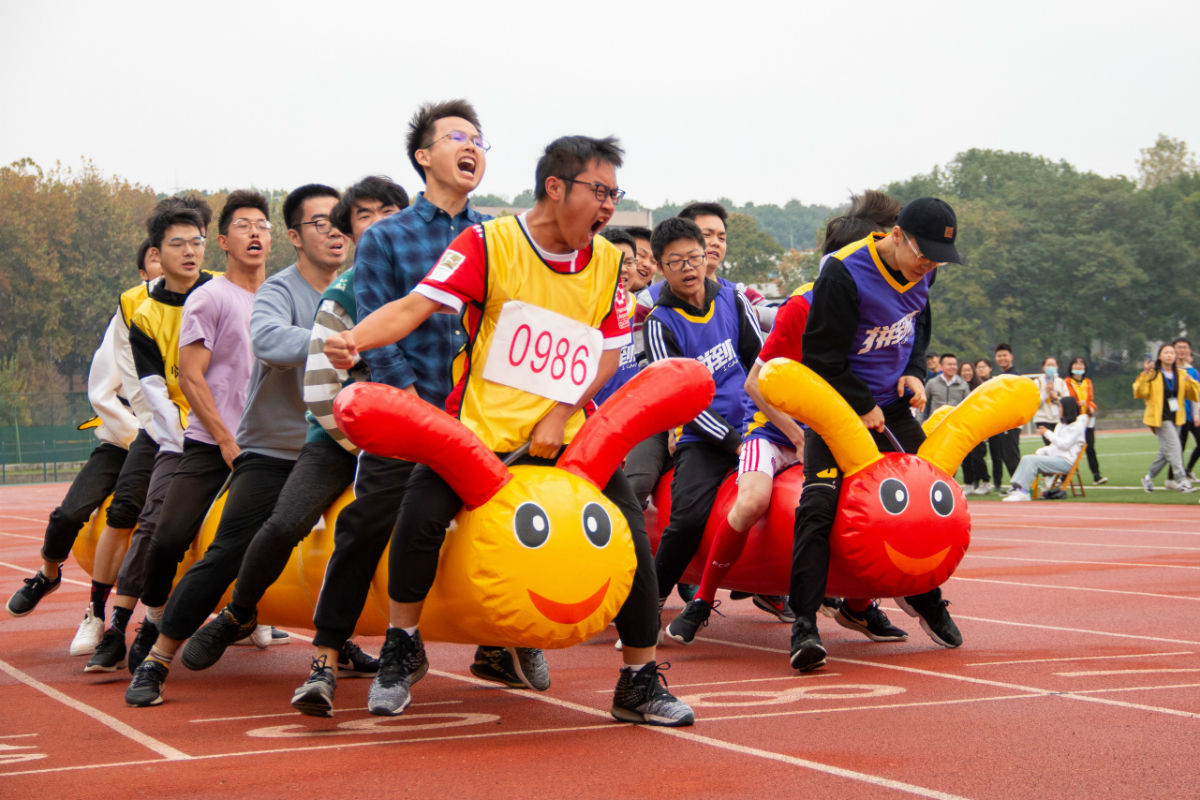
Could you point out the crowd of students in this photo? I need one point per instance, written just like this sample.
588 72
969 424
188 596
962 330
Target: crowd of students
210 380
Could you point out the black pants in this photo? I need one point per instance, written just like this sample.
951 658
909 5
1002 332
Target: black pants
975 465
362 533
818 507
429 505
1089 436
699 469
321 473
648 461
87 492
1184 429
254 489
198 478
1006 452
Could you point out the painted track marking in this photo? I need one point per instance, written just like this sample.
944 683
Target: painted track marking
1077 658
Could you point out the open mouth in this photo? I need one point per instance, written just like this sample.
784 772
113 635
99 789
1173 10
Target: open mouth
914 566
254 247
467 165
568 613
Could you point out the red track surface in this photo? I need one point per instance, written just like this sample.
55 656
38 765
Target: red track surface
1079 678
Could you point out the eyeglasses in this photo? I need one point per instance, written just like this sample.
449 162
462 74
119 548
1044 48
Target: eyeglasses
627 261
601 191
243 225
179 241
462 137
918 254
677 264
320 224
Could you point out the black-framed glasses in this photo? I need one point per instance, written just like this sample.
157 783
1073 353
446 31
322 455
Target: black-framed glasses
677 264
320 224
462 137
243 225
601 191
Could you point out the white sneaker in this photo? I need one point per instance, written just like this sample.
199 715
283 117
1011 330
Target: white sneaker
1148 483
1171 485
1016 496
1185 486
89 634
984 487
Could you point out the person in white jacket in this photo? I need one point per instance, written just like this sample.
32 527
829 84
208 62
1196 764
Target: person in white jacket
118 466
1065 442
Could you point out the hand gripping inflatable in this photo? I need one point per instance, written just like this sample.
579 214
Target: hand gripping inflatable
538 557
902 525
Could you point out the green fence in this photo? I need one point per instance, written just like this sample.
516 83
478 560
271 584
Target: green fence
39 436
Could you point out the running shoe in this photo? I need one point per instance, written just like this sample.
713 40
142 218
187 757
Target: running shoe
872 623
694 616
402 663
147 635
642 697
207 645
1148 483
146 688
25 599
315 696
110 653
935 619
806 652
776 605
89 634
352 662
515 667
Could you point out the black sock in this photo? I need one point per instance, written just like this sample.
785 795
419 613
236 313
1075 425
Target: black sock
100 597
242 615
120 617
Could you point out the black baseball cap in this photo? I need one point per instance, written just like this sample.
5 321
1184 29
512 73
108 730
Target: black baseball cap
932 223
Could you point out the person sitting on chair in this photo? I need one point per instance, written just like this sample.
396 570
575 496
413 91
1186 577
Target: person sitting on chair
1065 442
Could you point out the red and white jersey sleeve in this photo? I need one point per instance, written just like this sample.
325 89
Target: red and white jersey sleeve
785 339
460 274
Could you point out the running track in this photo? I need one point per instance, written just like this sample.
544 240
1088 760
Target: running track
1080 678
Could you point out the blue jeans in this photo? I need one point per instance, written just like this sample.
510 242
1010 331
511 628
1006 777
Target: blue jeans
1032 465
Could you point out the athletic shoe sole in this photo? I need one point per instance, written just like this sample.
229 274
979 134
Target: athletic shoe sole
855 625
810 656
103 668
312 703
925 626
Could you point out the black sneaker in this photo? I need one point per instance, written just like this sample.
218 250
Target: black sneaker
736 595
775 605
28 596
515 667
807 652
402 663
642 697
935 619
872 623
354 663
315 696
110 653
694 616
207 645
147 635
146 688
830 606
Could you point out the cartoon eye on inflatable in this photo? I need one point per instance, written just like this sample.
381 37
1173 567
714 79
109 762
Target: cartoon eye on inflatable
531 525
894 496
596 525
941 498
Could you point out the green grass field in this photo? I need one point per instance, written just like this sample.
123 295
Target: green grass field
1124 459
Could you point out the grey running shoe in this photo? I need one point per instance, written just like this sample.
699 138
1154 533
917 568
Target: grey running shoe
1148 483
25 599
694 616
642 697
402 663
207 645
146 688
354 663
515 667
315 696
872 623
147 635
110 653
935 619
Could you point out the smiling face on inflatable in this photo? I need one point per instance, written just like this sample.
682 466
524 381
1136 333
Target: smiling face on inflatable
903 523
538 557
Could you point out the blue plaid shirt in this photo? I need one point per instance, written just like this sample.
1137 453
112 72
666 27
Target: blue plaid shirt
392 257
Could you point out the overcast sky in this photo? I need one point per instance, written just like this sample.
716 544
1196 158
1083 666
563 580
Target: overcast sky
752 101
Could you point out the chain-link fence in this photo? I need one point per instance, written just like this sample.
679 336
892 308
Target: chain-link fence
40 438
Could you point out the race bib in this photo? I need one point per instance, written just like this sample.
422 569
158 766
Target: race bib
543 353
1173 404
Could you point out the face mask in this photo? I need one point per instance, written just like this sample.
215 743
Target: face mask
1051 372
1078 373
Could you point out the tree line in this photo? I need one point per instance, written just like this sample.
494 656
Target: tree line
1060 262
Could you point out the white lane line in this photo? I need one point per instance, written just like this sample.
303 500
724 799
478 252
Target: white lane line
1091 631
838 709
22 536
1126 672
1125 545
163 749
1163 688
1033 690
40 521
1057 587
974 556
297 715
1076 658
65 579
